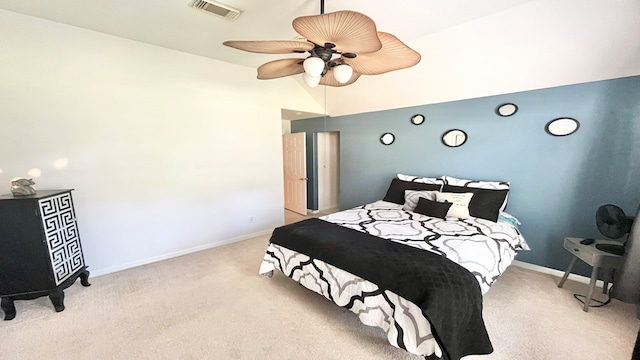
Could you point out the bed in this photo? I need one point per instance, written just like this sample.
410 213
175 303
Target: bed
418 274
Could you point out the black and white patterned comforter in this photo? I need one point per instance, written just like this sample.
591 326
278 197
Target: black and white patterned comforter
483 247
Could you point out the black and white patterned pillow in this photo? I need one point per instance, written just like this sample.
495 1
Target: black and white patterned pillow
492 185
421 179
395 192
411 198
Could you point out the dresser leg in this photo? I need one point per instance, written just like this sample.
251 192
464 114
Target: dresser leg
592 285
9 309
566 273
57 299
84 278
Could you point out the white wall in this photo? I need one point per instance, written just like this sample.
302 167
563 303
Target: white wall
536 45
286 127
168 152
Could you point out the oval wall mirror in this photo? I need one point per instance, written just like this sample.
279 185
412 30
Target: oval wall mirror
387 138
562 126
417 119
454 138
507 109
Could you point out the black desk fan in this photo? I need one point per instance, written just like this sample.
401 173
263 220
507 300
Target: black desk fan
614 224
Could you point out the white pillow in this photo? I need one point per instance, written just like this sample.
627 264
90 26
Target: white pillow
493 185
460 201
411 198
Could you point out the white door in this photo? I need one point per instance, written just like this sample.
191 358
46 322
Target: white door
295 172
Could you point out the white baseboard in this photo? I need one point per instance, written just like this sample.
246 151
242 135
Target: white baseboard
133 264
109 270
313 211
554 272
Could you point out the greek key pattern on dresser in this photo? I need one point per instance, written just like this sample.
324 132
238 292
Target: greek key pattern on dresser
61 232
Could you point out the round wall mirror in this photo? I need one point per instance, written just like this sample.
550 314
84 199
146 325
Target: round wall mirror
417 119
387 138
562 126
507 109
454 138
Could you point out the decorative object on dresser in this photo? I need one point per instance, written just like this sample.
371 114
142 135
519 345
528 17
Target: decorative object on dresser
40 254
22 187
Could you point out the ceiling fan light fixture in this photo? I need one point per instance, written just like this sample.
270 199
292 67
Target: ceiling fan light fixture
342 73
330 39
311 81
313 66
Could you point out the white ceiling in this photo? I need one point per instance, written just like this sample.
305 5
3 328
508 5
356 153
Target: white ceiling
173 24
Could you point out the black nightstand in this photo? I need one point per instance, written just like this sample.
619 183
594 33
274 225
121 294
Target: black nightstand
594 257
40 250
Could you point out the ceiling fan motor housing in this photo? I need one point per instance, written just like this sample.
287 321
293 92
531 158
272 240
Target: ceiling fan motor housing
322 52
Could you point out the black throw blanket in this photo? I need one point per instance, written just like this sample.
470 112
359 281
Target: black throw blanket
447 293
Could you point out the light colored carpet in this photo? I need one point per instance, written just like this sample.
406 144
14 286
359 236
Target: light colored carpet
213 305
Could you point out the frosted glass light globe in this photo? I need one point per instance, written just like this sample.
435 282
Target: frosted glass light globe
313 66
311 81
342 73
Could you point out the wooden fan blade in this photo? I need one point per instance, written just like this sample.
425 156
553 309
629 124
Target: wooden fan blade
271 46
350 31
280 68
394 55
329 80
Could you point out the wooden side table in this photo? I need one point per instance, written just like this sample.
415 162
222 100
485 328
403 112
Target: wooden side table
594 257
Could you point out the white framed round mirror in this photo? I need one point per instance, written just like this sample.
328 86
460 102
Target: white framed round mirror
562 126
417 119
454 138
507 109
387 138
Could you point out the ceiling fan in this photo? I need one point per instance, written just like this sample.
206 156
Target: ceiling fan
341 46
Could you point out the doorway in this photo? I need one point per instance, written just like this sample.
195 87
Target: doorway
328 171
322 176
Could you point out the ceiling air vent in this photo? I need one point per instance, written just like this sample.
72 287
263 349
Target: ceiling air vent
217 8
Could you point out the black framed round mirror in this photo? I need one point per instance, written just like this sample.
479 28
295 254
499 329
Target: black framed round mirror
387 138
507 109
417 119
454 138
563 126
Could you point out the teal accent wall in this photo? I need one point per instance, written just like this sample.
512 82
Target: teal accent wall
557 183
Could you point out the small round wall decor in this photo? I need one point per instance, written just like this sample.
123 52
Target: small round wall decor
387 138
562 126
507 109
454 138
417 119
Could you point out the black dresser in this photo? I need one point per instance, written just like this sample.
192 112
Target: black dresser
40 250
